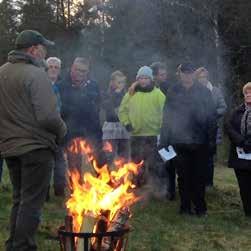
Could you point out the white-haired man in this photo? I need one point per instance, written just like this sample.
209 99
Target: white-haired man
59 180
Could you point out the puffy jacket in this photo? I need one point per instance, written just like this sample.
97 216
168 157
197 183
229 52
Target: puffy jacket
189 117
143 112
29 118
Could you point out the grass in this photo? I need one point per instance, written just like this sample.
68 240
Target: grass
156 224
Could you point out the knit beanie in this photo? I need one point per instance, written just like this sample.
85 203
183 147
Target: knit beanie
145 71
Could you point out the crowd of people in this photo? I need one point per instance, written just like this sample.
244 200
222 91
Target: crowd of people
42 113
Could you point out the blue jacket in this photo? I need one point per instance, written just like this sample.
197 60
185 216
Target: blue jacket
55 88
80 109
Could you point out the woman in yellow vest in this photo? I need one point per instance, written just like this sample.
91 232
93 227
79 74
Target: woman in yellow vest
141 114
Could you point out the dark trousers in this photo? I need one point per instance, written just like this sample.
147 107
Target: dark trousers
120 149
30 176
244 181
1 169
171 176
191 165
144 148
59 176
210 170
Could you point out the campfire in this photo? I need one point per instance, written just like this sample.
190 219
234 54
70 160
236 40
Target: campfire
99 203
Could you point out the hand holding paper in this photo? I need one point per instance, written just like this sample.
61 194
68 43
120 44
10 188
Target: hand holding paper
167 154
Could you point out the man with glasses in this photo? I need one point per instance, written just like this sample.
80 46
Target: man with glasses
31 128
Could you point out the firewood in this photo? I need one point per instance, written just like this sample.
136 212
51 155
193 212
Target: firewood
101 227
88 225
118 223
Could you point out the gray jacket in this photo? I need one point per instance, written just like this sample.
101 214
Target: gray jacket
219 102
221 108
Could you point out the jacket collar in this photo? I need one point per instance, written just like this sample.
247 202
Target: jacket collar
16 56
148 88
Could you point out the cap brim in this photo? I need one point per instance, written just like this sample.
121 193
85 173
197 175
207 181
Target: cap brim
48 43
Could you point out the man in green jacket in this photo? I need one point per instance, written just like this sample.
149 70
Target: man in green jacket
31 128
141 114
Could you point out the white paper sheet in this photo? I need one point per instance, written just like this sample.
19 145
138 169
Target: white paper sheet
242 155
167 154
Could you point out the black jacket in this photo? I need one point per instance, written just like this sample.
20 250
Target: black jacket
111 105
233 129
80 109
189 117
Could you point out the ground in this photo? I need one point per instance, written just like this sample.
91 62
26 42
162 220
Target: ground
156 224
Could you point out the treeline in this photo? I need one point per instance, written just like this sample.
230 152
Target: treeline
124 34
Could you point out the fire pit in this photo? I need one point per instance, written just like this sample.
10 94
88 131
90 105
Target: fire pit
98 209
118 240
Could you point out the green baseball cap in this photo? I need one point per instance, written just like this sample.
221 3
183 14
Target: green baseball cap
27 38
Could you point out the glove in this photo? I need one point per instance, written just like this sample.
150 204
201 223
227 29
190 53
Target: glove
129 127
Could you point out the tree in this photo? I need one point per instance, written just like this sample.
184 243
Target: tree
8 28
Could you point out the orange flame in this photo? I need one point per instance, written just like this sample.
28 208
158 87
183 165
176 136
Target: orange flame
107 191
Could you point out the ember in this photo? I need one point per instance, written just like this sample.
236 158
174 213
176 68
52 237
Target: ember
100 203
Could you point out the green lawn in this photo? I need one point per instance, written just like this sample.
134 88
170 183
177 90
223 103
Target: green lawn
156 224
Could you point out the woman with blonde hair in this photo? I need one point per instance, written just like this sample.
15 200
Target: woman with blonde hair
238 127
113 131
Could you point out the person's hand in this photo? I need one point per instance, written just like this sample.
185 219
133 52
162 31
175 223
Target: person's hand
132 88
129 127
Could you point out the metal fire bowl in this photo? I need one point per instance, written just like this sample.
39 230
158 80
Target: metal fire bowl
119 233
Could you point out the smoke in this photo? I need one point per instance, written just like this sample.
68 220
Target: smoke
142 32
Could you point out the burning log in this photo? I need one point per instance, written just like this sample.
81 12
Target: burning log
101 227
88 225
118 223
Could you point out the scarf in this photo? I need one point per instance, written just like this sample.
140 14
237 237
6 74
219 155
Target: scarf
209 86
246 122
148 88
